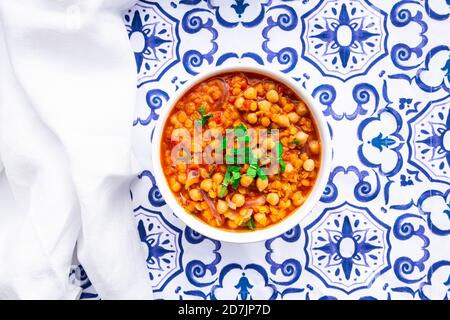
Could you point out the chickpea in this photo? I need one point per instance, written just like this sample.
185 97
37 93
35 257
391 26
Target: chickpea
206 185
231 224
253 106
298 199
265 121
239 102
238 200
204 174
261 219
276 185
273 198
246 181
285 204
264 106
250 93
288 107
314 146
182 177
261 184
298 163
174 120
236 91
301 109
181 167
272 96
195 195
275 109
182 117
289 168
217 178
222 206
188 123
252 118
176 186
308 165
283 121
293 117
301 137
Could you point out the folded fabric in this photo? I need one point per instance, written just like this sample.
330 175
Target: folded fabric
67 92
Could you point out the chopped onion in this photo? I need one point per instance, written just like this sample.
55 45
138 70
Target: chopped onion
224 98
211 206
192 177
230 203
248 214
255 202
183 199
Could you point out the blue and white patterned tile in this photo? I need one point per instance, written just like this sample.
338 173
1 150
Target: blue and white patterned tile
347 247
380 71
344 38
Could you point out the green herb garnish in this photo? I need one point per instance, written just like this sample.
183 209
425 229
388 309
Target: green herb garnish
232 176
251 224
261 174
252 171
225 183
240 130
235 178
202 110
279 149
295 142
204 119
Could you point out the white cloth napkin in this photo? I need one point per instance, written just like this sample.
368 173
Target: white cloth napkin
67 92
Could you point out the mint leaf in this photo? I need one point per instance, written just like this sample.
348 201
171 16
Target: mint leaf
204 119
234 168
261 173
235 179
279 149
251 224
222 191
282 164
202 110
251 172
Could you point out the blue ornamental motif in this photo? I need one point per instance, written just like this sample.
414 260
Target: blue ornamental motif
244 286
437 284
347 247
239 7
436 206
430 141
344 38
231 13
382 142
164 248
154 39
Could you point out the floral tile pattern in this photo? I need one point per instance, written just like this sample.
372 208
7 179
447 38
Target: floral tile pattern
344 38
348 247
380 71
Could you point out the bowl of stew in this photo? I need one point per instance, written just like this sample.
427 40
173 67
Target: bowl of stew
241 153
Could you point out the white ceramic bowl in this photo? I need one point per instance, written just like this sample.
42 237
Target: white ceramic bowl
244 236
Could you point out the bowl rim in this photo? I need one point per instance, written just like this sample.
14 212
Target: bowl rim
280 227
